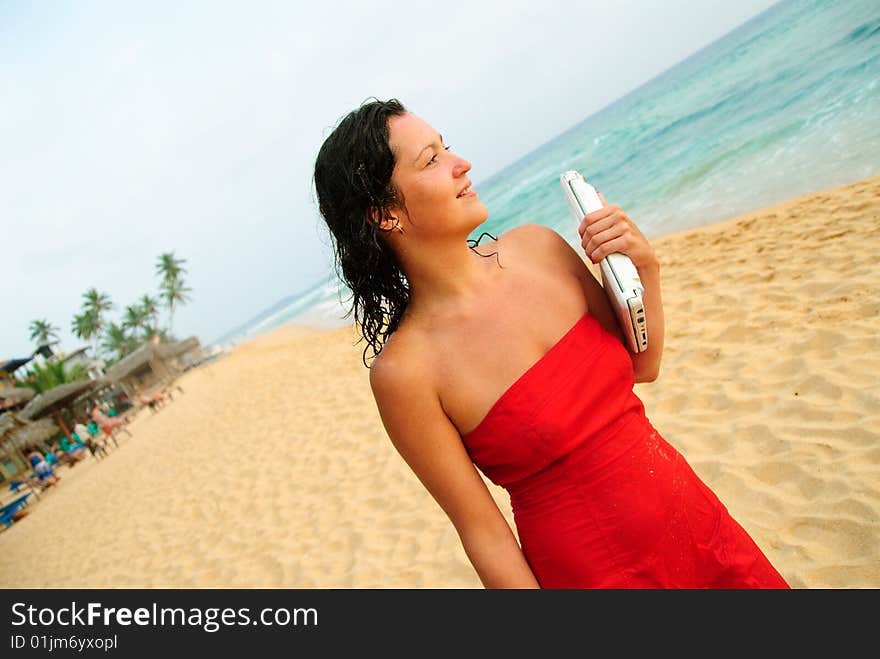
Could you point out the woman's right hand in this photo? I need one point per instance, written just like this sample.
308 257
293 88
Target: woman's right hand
610 230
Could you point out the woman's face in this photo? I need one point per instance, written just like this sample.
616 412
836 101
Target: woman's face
433 180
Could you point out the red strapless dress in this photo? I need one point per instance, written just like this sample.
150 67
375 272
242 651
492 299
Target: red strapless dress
599 498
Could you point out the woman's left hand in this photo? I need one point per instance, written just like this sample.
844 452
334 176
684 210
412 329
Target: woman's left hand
609 230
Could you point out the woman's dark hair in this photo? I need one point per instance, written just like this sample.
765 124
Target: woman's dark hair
352 175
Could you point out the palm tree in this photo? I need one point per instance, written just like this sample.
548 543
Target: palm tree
117 341
150 308
94 306
83 326
42 331
147 335
97 303
52 374
169 266
135 318
174 292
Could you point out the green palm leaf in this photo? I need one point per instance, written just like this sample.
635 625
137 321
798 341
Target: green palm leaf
42 332
117 341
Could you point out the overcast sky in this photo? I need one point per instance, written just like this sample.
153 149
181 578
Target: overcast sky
128 129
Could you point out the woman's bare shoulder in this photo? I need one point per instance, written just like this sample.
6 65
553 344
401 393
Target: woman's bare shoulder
536 242
525 241
531 230
403 358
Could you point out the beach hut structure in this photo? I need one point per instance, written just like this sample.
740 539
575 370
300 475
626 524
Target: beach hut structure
80 357
12 458
151 364
140 370
52 401
17 433
8 367
46 350
182 354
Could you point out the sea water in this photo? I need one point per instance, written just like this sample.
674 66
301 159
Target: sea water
786 104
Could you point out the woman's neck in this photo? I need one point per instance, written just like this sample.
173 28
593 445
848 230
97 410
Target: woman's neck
452 280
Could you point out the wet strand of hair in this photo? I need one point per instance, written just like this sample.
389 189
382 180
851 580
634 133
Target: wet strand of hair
476 243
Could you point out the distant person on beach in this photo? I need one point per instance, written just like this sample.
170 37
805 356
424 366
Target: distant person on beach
42 469
82 430
70 451
154 400
509 358
97 449
109 425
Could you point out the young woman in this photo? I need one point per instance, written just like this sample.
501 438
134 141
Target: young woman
508 358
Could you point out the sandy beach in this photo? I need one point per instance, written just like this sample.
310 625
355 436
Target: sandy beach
273 469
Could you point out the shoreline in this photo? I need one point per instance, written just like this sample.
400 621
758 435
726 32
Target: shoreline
273 469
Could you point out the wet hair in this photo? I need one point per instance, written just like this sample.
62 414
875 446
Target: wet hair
352 176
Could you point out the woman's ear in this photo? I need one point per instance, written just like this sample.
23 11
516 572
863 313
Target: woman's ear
382 217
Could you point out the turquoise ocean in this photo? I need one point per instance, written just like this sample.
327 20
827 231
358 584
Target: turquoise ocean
786 104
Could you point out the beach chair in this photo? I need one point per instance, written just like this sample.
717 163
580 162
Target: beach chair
98 449
39 483
7 513
16 485
110 434
153 400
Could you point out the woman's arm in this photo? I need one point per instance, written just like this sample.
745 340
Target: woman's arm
430 444
610 230
646 365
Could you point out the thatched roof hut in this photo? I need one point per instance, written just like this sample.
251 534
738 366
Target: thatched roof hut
55 398
150 363
181 353
178 347
130 365
16 434
25 433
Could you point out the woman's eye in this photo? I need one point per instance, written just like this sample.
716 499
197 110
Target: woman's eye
434 157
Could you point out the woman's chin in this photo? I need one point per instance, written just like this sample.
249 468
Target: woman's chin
480 211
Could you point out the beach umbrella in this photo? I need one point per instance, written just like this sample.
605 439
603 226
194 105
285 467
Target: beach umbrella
53 400
17 394
14 397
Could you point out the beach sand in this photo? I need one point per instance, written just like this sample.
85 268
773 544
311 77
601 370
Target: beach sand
273 469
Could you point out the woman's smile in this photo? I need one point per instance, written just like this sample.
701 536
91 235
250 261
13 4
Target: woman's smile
467 192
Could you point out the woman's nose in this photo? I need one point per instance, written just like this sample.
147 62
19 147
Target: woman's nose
461 167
